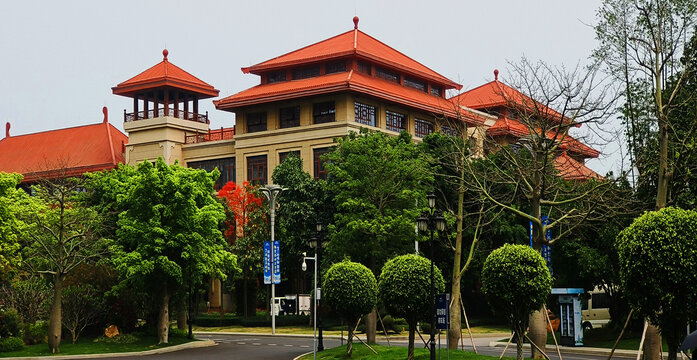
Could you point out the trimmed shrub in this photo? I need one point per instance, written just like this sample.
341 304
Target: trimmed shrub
35 333
11 344
10 324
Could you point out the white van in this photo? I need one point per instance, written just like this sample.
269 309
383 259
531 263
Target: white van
596 310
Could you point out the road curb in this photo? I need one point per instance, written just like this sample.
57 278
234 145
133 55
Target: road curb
173 348
301 355
577 350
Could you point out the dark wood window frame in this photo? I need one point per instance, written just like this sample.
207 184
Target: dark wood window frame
436 91
226 166
319 165
335 67
256 122
276 76
257 169
364 67
365 114
415 84
289 117
386 74
422 128
395 121
323 112
284 155
306 72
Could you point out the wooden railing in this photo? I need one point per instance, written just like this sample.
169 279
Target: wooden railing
180 114
212 135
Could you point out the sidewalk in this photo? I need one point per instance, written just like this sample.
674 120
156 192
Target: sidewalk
189 345
551 349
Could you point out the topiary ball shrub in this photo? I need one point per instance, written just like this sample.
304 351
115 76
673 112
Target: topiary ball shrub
351 290
405 290
516 282
658 269
11 344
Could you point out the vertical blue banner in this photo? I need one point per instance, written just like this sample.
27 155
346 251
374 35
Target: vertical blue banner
267 262
276 262
442 302
546 249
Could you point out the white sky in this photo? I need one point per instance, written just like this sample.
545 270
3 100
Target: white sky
59 59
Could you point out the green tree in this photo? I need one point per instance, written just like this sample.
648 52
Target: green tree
404 289
376 179
169 231
10 224
658 257
83 306
350 289
516 282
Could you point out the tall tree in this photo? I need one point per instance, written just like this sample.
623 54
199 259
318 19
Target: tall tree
643 40
169 231
66 233
376 179
10 224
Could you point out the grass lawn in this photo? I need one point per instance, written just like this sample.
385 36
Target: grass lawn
606 337
361 352
88 346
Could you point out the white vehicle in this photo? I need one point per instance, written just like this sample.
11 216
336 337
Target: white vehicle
596 310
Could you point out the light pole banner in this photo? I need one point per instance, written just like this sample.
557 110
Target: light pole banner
442 301
267 262
276 262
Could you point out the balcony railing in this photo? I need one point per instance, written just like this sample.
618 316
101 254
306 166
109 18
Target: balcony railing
212 135
151 114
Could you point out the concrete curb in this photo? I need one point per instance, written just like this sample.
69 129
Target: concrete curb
301 355
173 348
577 350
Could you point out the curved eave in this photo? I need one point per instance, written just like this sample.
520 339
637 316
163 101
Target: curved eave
136 87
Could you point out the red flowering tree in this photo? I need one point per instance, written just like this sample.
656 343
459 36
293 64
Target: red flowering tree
241 201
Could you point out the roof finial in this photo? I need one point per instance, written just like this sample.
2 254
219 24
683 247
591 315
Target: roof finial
355 22
105 111
165 53
7 129
496 74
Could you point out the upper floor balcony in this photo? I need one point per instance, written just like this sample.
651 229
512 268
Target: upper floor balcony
211 135
176 113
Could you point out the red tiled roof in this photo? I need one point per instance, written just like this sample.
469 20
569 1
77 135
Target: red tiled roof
64 152
506 126
346 81
352 43
162 74
571 169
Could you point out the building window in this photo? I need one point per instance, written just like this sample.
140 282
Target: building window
226 166
365 114
447 130
276 76
416 84
284 155
256 122
256 170
437 91
395 121
335 67
289 117
306 72
320 165
388 75
364 67
422 128
323 112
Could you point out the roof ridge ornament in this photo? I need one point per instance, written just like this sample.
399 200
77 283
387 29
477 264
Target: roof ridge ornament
164 54
355 22
496 74
105 111
7 129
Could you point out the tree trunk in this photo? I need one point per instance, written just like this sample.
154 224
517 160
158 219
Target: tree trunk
349 340
54 326
538 333
371 323
181 314
163 318
519 339
455 330
412 331
652 343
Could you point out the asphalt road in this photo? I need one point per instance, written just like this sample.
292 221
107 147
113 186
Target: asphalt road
253 347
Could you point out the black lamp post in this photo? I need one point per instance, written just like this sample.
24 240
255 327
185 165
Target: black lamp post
432 220
317 243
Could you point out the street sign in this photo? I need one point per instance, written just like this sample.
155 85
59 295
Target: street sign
276 262
546 249
267 262
442 302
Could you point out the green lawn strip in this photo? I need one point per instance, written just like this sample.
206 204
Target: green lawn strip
361 352
88 346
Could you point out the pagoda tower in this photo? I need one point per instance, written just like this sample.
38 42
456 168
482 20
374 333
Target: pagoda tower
165 111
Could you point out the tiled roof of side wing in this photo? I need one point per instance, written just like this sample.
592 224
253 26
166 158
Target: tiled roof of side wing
571 169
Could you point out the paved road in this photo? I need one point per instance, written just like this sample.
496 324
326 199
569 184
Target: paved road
252 347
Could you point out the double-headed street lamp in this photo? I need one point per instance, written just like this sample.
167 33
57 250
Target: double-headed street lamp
271 192
432 220
304 267
317 242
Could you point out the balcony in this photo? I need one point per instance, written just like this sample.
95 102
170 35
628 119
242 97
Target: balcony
212 135
180 114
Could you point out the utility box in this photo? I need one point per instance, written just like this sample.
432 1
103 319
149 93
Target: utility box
570 317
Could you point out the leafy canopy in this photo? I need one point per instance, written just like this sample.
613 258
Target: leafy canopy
10 225
350 288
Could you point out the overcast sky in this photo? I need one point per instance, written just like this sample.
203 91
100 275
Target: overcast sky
59 59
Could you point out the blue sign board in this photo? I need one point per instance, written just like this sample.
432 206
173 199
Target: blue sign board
276 262
546 249
267 262
442 302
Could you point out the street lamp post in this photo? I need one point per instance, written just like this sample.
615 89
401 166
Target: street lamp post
432 220
304 267
271 192
318 243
